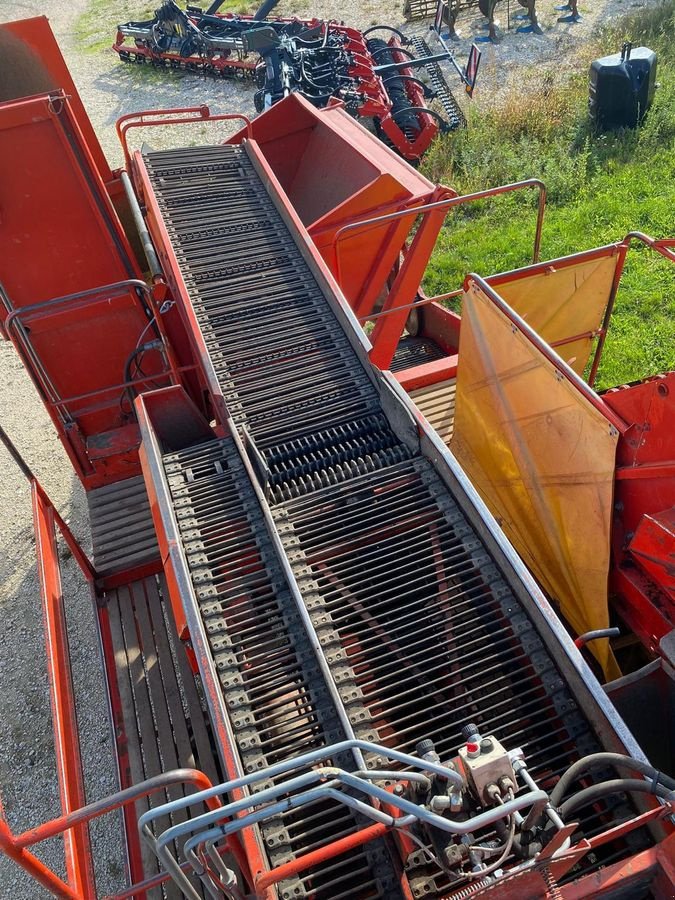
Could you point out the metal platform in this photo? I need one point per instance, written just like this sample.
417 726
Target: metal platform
163 722
403 626
437 403
414 351
122 532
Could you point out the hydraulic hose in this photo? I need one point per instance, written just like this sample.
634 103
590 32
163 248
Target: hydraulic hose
264 10
607 788
618 761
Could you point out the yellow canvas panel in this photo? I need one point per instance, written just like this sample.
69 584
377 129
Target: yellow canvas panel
563 302
542 457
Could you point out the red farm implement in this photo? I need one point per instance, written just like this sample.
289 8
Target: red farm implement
329 672
392 83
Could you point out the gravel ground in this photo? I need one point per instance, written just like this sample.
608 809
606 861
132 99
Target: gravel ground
27 772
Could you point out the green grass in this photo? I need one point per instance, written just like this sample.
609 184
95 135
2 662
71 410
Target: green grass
96 27
600 186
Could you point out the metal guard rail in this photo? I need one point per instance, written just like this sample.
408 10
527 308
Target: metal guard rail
449 203
72 825
180 115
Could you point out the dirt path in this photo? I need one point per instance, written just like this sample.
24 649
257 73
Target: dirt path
27 772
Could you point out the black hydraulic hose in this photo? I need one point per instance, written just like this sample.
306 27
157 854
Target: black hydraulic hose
617 760
388 28
266 8
607 789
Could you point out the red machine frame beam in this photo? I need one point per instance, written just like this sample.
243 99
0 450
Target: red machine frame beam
389 328
76 842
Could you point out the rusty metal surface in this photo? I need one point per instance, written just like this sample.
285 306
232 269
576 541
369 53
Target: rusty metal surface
418 625
123 535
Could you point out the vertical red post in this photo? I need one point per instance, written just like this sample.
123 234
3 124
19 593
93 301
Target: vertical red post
67 745
388 330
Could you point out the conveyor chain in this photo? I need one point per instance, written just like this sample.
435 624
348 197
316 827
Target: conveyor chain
419 627
276 697
453 111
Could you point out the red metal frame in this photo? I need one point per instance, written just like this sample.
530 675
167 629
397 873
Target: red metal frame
391 320
15 845
67 746
31 48
72 824
374 98
152 118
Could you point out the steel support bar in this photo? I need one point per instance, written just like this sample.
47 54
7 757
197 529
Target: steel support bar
308 860
33 866
414 62
76 842
388 330
446 204
84 814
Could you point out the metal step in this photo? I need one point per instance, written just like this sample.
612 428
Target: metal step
122 531
437 403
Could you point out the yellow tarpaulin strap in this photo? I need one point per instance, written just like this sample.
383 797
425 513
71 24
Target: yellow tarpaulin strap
542 457
563 302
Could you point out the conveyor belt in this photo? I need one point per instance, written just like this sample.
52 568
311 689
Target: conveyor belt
269 675
415 351
419 627
262 315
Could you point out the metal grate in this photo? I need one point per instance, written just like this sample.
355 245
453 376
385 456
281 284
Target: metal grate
122 532
417 624
414 351
278 703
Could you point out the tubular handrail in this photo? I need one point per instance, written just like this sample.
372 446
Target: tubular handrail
150 118
15 322
16 845
456 200
475 281
659 246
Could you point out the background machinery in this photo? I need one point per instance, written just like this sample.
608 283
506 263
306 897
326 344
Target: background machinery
329 673
392 83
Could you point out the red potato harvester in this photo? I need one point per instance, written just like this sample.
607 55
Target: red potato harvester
330 673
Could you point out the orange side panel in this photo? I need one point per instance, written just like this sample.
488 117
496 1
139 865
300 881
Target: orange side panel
59 231
32 64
